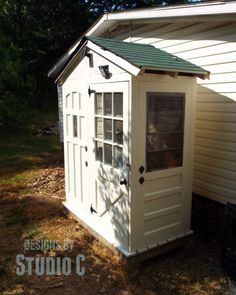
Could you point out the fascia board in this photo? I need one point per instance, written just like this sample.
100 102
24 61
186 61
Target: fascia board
90 32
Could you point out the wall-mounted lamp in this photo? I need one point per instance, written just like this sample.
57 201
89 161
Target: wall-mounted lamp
105 72
90 57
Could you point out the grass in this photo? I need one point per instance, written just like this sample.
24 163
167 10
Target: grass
23 152
12 180
20 144
30 232
17 216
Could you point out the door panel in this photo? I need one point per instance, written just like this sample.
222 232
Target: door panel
109 107
164 140
75 143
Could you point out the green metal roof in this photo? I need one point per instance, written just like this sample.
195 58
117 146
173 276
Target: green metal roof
147 56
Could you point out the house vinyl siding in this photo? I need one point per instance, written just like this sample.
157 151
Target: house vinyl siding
212 46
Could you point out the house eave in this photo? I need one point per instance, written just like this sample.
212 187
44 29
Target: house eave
55 69
109 20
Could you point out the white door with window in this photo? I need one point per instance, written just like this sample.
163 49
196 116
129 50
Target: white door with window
109 115
165 111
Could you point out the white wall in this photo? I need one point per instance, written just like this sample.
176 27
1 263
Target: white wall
82 186
211 45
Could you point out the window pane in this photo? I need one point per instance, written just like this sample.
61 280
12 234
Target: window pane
98 126
82 129
118 104
99 151
164 159
164 141
118 157
108 104
165 130
108 154
108 129
75 126
165 112
118 131
98 104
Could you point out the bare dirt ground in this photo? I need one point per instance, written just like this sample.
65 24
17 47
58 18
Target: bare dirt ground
32 209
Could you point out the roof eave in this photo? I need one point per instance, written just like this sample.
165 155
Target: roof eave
110 56
175 12
70 62
108 19
175 72
57 67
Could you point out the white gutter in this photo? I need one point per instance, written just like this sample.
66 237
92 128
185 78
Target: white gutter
214 8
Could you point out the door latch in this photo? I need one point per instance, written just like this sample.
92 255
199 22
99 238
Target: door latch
123 182
141 180
141 169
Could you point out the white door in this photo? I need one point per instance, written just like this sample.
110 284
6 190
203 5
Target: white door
110 160
165 166
76 147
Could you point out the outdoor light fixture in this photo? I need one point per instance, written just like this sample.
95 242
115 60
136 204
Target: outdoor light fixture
90 57
105 72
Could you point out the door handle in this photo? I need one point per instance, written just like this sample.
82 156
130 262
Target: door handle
123 182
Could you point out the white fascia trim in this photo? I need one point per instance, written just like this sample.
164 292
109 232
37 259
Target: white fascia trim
120 62
90 32
92 29
178 11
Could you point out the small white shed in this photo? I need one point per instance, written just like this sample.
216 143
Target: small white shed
204 34
129 113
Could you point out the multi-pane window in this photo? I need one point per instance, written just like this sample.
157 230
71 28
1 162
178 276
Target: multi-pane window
109 128
165 130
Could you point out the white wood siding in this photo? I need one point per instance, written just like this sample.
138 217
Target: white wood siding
211 45
81 180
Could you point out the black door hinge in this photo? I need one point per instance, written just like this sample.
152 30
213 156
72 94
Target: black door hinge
92 210
90 91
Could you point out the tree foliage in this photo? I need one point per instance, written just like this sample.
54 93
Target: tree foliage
33 35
